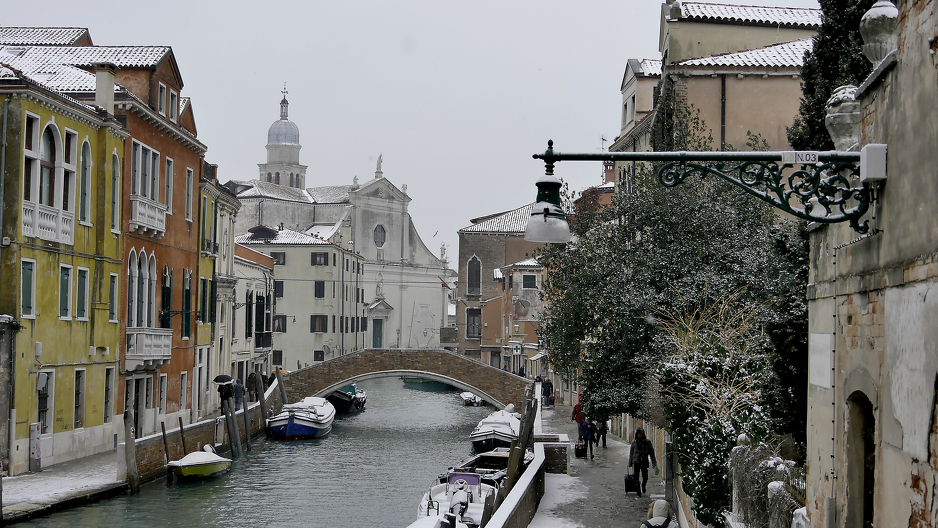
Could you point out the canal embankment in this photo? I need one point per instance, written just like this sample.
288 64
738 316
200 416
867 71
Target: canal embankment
81 481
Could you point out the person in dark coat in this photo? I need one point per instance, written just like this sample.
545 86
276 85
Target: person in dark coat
238 394
589 435
547 389
601 431
639 453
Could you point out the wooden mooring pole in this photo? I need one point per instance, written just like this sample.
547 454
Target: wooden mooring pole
247 425
262 400
182 435
130 455
234 438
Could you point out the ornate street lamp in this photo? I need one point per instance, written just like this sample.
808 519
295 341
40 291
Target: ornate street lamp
548 222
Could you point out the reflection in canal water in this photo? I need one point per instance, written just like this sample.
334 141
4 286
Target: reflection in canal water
370 471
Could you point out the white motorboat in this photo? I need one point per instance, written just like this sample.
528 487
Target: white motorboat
309 418
469 398
200 465
463 501
498 429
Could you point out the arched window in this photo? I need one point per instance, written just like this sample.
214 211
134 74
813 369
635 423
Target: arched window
84 184
166 303
861 460
291 179
268 177
151 294
277 178
132 272
115 191
47 158
143 274
475 276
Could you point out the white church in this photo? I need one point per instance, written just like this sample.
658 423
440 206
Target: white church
406 303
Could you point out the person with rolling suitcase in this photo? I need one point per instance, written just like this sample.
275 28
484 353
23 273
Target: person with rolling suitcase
639 453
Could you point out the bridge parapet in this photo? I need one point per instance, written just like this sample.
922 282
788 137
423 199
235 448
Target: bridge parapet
496 386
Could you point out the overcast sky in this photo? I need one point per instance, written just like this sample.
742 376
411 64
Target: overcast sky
457 96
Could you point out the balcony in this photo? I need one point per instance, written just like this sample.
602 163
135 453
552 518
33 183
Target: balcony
148 348
209 248
263 339
147 215
48 223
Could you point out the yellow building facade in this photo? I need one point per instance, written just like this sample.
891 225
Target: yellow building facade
61 271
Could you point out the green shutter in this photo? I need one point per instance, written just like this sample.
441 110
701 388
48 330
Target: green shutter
27 293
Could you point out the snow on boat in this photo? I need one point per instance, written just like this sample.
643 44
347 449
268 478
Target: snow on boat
469 398
498 429
463 501
309 418
200 465
491 465
348 398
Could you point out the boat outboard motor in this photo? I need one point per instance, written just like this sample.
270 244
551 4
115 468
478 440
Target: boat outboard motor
460 500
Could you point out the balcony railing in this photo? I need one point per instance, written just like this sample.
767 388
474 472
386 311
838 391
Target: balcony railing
209 247
48 223
148 348
263 339
147 215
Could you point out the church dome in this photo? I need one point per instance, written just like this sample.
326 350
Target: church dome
283 131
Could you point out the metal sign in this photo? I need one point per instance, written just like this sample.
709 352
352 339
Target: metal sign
800 157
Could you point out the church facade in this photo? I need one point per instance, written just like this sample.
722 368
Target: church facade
402 280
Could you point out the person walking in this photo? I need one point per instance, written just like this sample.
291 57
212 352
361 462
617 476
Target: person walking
639 453
590 436
548 390
577 409
659 515
238 394
601 433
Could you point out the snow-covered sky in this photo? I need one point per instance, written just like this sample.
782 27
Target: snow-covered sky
457 96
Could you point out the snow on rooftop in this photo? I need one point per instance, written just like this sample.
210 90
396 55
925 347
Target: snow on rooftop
262 189
85 56
41 36
763 15
785 55
651 67
330 193
513 222
284 237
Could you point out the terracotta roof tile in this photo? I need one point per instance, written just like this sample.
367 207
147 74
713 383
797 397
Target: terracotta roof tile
512 222
785 16
785 55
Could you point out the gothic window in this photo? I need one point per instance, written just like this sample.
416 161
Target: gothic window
475 276
277 178
268 177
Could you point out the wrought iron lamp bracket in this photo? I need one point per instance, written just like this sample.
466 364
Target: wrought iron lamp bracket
822 187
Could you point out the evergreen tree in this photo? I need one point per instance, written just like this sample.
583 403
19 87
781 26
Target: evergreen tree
836 60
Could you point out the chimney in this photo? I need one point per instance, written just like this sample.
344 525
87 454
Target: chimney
609 170
104 86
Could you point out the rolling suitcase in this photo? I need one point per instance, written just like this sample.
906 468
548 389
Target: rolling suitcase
579 450
631 483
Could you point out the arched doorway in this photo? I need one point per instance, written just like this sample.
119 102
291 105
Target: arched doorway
861 460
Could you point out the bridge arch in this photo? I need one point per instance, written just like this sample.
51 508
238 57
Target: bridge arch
496 386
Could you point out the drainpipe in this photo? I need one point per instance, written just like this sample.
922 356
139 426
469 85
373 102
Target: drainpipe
723 112
11 422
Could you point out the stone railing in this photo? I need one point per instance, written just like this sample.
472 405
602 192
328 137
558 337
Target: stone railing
48 223
147 215
148 348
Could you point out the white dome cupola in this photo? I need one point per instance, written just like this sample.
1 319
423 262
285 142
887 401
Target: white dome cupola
283 151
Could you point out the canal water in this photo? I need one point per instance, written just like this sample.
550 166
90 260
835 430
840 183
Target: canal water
371 470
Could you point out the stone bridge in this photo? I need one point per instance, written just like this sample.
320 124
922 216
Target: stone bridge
496 386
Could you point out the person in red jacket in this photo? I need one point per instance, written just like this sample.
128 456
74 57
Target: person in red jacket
577 409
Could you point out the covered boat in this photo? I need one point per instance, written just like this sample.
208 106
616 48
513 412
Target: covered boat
463 501
200 465
469 398
491 465
348 398
309 418
498 429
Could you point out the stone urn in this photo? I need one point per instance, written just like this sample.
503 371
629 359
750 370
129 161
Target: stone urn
843 117
879 29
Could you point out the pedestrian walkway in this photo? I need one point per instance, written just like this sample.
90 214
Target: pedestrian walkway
593 494
61 486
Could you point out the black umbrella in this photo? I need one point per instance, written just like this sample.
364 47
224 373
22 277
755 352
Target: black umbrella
222 379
